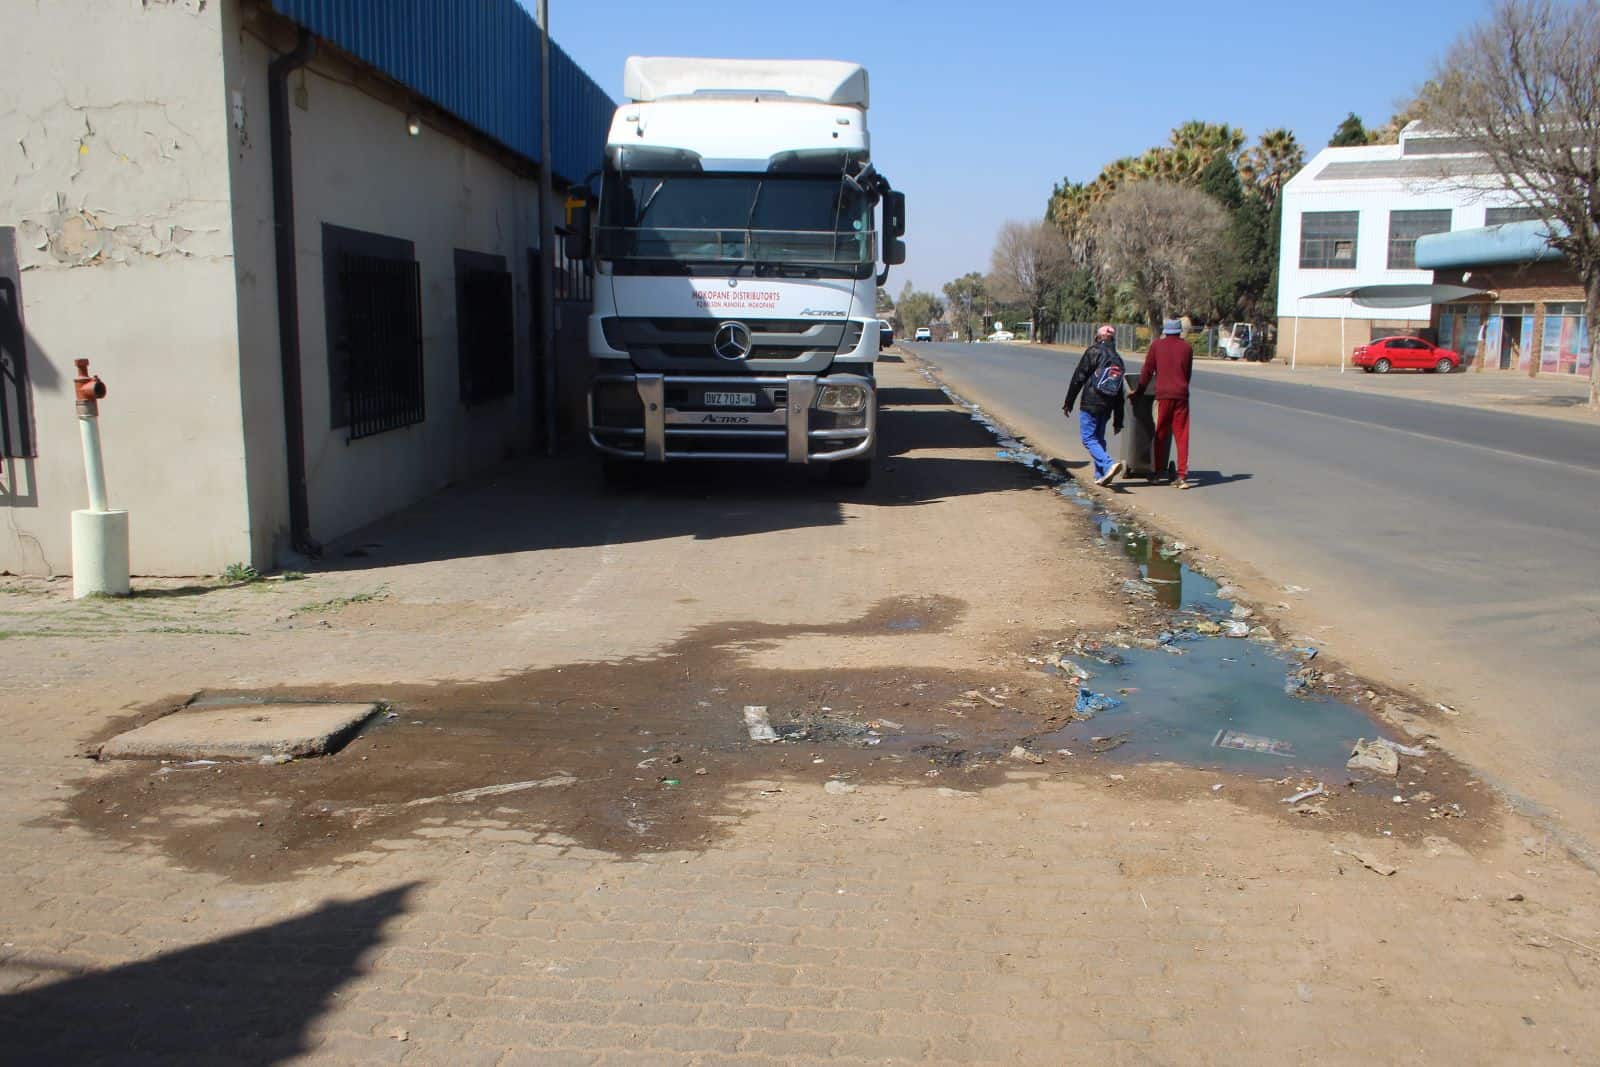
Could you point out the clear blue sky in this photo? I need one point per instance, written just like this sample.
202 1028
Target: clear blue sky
978 108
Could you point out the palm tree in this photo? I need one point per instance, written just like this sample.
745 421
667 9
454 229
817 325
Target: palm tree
1275 159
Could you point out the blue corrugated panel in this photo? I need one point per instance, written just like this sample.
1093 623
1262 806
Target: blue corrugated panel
476 59
580 118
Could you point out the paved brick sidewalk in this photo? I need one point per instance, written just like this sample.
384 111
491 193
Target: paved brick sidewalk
1080 911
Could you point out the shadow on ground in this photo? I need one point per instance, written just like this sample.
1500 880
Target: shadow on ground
249 998
534 504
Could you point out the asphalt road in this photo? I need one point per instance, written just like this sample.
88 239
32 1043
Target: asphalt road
1457 549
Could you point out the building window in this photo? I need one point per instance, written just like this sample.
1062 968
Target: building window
1499 216
16 392
1328 240
1565 347
485 327
572 277
1404 229
372 287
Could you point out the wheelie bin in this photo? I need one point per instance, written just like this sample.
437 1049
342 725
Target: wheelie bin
1138 441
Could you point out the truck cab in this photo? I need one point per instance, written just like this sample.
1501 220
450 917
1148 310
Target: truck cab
737 248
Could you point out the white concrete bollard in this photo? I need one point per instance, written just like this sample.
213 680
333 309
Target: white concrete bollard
99 533
100 553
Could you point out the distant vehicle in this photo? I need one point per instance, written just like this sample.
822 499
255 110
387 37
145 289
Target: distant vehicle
885 336
1002 335
1238 341
1405 353
923 334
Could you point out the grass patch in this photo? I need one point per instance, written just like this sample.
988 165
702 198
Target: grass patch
339 603
194 630
240 574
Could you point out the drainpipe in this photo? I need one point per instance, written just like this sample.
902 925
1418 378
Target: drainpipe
278 72
547 237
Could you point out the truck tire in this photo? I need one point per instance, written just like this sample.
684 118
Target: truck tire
851 472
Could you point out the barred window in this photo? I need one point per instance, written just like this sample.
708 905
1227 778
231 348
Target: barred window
372 288
485 327
1404 229
1328 240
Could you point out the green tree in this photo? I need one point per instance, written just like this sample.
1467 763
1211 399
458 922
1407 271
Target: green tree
916 309
1220 181
967 297
1268 166
1351 132
885 301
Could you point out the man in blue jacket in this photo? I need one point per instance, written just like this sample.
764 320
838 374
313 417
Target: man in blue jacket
1099 379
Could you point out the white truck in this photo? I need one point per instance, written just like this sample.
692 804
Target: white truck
736 250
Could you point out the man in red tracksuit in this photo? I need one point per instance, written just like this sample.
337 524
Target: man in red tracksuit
1170 361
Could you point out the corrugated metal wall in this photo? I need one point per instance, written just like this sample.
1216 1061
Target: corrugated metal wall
476 59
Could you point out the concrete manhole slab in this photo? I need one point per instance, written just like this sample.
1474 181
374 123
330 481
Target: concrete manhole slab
242 732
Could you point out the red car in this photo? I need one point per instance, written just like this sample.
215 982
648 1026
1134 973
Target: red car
1405 353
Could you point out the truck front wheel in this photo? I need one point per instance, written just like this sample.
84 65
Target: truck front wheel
851 472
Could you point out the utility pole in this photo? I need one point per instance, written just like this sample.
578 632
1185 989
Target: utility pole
547 239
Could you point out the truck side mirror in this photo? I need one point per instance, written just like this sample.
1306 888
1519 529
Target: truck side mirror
894 252
578 236
894 215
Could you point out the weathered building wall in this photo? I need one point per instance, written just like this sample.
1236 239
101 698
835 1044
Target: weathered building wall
357 166
116 179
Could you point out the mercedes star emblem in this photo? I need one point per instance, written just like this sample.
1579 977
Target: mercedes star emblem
731 341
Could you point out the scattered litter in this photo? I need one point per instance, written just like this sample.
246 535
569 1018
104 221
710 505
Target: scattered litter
1165 637
989 700
277 759
200 763
1136 587
1237 628
1308 653
1207 627
1068 667
1106 744
885 724
1301 682
1178 546
1020 753
1217 787
837 788
1241 612
1243 742
1370 862
1306 794
670 781
1374 756
1447 709
756 721
1227 592
465 796
1261 633
1404 750
1117 777
400 1034
1089 702
1295 589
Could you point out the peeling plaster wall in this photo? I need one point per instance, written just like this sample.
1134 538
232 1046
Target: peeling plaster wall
114 143
356 166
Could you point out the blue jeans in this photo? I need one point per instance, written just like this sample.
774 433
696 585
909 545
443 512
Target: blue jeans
1092 428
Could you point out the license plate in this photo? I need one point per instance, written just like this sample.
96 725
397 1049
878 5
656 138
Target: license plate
730 400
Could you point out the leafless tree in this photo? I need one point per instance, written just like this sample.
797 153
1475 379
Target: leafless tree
1029 262
1523 87
1161 240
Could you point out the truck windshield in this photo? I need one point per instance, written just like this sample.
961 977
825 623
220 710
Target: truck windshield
783 222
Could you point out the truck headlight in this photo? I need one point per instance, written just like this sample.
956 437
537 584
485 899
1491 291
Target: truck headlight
841 398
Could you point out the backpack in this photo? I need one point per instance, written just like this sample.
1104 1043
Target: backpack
1107 379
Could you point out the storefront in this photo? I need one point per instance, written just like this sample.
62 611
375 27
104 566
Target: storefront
1531 317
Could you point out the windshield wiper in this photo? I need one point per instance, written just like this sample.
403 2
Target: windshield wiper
769 268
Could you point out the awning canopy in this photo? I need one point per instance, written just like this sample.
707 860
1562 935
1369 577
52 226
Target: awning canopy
1398 296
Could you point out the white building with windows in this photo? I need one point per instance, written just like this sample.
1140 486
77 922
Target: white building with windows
1352 218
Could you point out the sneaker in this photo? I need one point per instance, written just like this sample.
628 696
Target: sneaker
1116 470
1184 483
1102 479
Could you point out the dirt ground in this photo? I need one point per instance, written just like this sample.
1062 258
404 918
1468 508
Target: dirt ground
558 842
